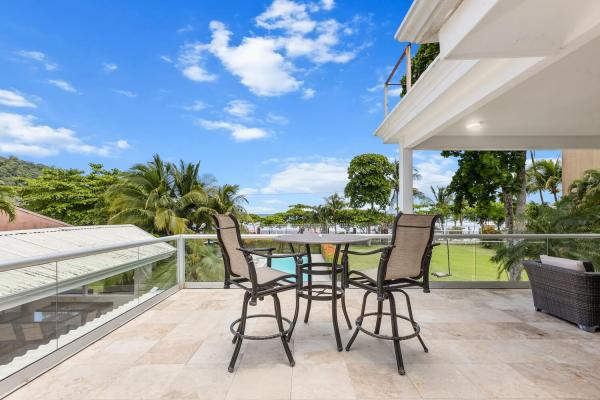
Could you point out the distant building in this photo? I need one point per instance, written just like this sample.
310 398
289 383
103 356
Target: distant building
26 219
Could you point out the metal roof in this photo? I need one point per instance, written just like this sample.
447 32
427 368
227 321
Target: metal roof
18 286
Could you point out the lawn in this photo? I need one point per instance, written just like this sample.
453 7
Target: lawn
468 262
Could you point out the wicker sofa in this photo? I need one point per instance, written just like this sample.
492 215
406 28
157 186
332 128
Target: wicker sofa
571 295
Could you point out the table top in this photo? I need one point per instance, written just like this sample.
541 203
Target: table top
314 238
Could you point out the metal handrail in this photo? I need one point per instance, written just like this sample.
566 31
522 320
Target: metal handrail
388 81
11 264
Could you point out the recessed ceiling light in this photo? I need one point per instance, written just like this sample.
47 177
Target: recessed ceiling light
475 125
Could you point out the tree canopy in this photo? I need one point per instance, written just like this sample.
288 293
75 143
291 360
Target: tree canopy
70 195
13 170
482 176
370 179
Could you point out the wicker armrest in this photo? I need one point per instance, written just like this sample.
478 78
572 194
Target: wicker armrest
366 253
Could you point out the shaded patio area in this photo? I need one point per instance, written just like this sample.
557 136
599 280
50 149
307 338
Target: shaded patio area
483 344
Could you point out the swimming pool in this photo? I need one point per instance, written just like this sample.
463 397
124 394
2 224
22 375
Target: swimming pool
286 264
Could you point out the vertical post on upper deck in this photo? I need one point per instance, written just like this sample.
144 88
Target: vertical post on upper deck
180 261
408 68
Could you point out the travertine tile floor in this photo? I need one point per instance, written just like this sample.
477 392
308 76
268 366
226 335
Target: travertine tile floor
483 344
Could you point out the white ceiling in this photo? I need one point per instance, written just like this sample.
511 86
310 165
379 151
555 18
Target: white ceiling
561 100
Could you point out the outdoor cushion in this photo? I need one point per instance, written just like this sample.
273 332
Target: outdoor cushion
574 265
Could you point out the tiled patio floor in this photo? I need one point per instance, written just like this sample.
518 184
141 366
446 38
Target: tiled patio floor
483 344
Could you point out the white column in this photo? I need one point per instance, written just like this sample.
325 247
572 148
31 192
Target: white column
406 180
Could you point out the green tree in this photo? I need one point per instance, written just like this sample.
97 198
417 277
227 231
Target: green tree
545 175
7 206
147 197
417 194
441 202
585 191
13 170
566 217
334 204
369 181
70 195
482 176
425 55
227 199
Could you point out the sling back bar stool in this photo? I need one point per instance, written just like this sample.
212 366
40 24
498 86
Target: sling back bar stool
404 263
256 283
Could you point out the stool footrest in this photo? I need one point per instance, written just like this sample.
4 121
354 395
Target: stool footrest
415 326
261 337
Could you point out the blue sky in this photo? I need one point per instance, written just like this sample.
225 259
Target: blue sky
276 96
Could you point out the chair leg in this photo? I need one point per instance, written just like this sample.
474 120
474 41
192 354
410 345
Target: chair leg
393 316
362 315
286 347
379 311
308 301
295 319
412 320
235 337
346 311
241 330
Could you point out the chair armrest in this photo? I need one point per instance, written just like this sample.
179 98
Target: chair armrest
267 249
366 253
268 255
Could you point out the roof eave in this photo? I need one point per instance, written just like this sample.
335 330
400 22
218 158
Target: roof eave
424 19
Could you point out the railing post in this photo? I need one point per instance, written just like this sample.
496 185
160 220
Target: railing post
408 68
385 99
180 261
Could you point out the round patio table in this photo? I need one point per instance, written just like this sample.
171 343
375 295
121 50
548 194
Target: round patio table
323 291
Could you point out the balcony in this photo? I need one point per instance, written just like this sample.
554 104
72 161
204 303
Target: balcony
160 329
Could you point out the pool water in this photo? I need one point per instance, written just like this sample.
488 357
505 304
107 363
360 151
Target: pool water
287 265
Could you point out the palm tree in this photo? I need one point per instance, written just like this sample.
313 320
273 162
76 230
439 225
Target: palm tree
442 199
333 205
7 206
545 175
586 190
533 180
147 197
226 199
395 199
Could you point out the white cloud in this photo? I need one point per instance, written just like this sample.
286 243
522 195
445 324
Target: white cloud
191 63
328 4
14 99
248 191
109 67
239 108
122 144
125 93
20 134
288 15
239 132
32 55
197 105
434 169
39 57
63 85
323 176
308 93
255 61
185 29
265 63
276 119
166 59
